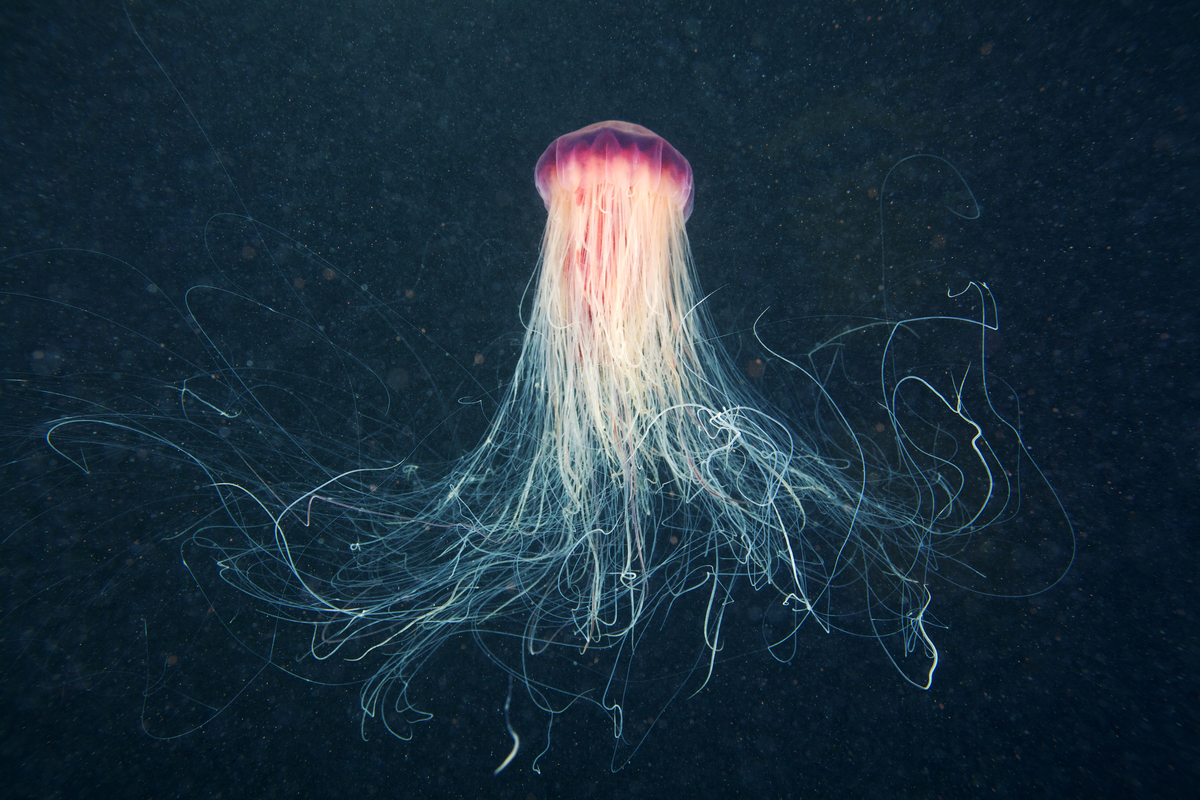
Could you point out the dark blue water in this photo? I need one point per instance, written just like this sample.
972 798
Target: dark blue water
398 142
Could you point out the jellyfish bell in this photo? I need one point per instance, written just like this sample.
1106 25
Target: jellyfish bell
614 153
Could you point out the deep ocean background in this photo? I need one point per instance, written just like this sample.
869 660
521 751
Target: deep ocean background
369 130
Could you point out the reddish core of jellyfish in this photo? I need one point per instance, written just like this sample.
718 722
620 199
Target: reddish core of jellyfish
619 153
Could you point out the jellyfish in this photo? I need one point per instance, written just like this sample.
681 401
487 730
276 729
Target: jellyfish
630 486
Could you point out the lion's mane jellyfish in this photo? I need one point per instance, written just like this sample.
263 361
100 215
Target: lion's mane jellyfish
628 484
